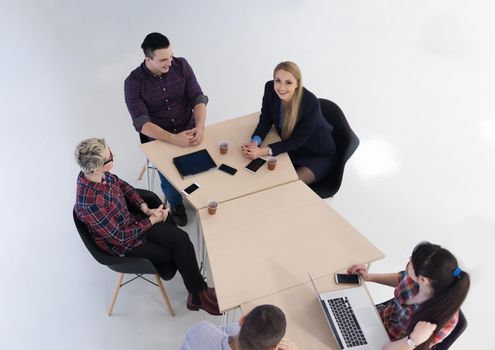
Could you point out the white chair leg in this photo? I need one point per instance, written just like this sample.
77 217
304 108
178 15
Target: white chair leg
141 173
148 174
165 296
116 293
153 173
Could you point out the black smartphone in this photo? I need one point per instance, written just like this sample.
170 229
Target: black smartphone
227 169
347 278
190 189
255 164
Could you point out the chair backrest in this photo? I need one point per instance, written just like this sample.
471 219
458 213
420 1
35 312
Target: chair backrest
346 142
96 252
452 337
119 264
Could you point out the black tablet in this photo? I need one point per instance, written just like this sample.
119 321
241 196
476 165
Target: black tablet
194 163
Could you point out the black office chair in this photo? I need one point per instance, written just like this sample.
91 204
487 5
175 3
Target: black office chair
452 337
147 167
346 141
132 265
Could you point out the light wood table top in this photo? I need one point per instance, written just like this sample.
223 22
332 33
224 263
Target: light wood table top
217 185
269 241
306 323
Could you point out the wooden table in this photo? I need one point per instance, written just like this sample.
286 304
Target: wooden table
306 323
269 241
216 184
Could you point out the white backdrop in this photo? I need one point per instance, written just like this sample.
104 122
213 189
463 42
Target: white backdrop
415 80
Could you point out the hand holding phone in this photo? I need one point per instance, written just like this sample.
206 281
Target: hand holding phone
360 269
347 278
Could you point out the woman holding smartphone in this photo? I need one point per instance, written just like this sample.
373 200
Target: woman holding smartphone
427 298
295 112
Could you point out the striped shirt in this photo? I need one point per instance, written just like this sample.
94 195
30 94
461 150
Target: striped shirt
166 100
102 206
396 313
206 336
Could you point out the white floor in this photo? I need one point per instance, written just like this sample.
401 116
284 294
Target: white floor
415 80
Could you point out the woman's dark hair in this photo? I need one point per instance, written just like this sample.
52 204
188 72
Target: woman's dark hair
263 328
152 42
450 286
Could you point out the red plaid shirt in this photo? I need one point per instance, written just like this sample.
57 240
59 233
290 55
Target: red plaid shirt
396 313
103 208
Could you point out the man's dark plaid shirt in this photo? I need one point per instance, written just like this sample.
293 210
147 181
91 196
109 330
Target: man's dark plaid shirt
166 100
103 207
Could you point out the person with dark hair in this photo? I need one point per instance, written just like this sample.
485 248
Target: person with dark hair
263 328
166 103
296 114
427 298
122 224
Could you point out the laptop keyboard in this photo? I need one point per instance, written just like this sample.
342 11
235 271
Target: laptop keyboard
347 322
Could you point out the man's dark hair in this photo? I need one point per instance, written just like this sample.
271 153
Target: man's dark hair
152 42
263 328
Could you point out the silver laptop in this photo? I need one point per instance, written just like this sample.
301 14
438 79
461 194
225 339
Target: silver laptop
353 318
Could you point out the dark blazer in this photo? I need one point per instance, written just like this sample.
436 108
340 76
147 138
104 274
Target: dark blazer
312 131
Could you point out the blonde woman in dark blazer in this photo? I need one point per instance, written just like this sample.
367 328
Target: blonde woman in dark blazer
295 112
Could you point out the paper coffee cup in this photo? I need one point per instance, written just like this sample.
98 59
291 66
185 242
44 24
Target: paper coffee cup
224 147
212 207
271 163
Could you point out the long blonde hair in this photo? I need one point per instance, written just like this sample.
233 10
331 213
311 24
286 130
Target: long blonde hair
291 114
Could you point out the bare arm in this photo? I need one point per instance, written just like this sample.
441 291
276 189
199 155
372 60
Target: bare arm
400 344
422 331
388 279
152 130
200 115
199 111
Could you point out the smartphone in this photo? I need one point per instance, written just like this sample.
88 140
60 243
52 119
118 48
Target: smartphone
227 169
255 164
347 278
190 189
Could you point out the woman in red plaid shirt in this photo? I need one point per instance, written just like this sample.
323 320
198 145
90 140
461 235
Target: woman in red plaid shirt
427 297
122 224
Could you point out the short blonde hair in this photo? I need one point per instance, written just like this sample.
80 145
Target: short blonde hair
89 154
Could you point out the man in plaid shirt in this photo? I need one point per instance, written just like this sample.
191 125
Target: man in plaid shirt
102 204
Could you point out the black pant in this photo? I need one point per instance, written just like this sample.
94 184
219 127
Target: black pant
167 244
